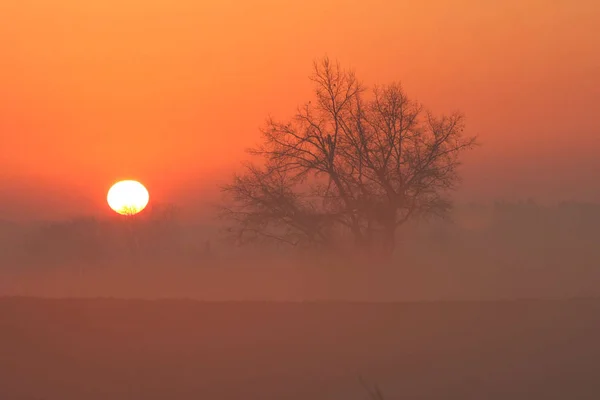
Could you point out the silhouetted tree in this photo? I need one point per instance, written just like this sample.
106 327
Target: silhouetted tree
349 163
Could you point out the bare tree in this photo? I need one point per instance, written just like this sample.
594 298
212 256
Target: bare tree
351 163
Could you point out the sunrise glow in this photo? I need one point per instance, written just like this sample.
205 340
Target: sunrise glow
128 197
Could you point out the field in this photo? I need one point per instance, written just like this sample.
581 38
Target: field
98 349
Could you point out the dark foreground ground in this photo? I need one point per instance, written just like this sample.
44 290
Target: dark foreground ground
127 349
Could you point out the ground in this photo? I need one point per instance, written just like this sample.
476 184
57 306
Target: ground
175 349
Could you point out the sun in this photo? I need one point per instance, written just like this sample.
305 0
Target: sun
128 197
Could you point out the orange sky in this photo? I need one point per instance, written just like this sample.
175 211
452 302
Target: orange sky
171 91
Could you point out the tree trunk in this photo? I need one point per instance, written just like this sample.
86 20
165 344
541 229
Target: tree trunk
389 241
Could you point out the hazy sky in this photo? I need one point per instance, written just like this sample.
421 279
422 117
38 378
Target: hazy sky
170 92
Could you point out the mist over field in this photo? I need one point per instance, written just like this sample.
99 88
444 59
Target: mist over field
498 251
497 301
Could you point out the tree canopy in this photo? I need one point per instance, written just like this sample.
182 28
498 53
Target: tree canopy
350 167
